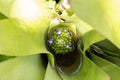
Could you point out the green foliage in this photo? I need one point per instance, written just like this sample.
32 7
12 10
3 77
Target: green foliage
25 23
104 17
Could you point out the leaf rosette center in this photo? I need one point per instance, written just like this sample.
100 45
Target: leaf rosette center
60 41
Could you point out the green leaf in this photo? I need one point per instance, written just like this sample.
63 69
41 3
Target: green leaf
91 37
2 16
88 71
15 41
110 68
35 14
29 9
95 49
108 51
34 17
102 15
81 26
3 57
5 6
22 68
109 48
51 73
86 32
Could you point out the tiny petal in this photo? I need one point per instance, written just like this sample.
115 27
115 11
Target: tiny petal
69 33
67 46
58 32
50 41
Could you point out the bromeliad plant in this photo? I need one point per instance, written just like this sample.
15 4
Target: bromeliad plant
45 40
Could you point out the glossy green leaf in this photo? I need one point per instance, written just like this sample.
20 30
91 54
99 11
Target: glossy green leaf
22 68
110 51
110 68
102 15
81 26
33 21
16 41
109 48
34 14
26 36
86 32
29 9
91 37
51 73
95 49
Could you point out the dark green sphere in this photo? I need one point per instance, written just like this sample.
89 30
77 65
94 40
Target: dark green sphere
60 41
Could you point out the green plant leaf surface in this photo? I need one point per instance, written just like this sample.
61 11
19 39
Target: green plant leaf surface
29 8
102 15
110 51
5 6
109 47
90 38
86 32
34 14
110 68
26 35
16 41
22 68
2 16
51 73
3 57
88 71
